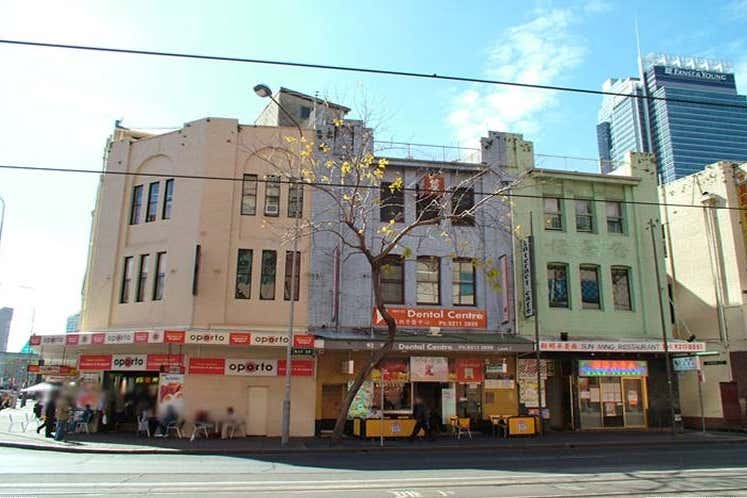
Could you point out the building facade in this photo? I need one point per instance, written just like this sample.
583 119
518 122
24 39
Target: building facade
683 135
707 267
72 324
598 311
6 317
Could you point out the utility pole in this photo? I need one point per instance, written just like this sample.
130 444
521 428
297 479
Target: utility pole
533 267
667 357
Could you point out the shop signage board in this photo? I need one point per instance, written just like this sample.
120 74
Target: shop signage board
129 362
527 277
686 363
62 370
207 366
504 291
394 370
240 338
469 370
299 368
429 369
714 362
72 340
171 393
174 336
95 362
434 317
438 347
302 351
47 340
119 338
251 367
195 337
164 361
612 368
621 346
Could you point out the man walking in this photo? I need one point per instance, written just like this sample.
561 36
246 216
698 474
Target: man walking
420 413
50 408
63 417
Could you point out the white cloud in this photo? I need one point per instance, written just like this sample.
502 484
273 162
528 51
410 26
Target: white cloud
540 51
597 7
736 10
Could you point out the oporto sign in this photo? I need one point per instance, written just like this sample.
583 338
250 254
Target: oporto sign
207 338
128 362
248 367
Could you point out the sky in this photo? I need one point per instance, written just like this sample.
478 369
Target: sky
57 107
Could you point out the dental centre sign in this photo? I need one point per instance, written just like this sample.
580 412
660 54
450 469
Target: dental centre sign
434 317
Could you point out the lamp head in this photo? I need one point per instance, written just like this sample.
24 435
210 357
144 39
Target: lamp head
262 90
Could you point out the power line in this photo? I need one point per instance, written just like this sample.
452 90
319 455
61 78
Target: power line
342 185
387 72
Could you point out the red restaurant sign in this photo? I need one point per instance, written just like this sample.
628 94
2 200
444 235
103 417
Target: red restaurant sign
207 366
174 336
435 317
469 370
95 362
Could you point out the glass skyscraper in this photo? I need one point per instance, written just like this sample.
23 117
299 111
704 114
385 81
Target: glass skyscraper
684 136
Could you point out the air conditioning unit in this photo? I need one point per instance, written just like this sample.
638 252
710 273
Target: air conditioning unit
348 367
272 209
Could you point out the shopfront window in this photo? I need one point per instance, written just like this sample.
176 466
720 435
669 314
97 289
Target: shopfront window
557 285
397 397
428 280
393 280
463 282
590 287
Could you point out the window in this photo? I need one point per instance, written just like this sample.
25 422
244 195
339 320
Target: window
153 192
304 112
137 204
590 287
614 217
427 204
267 282
289 275
295 193
160 281
272 195
553 214
142 279
621 288
244 274
428 280
392 203
249 195
124 291
462 201
584 216
393 280
557 285
168 199
463 282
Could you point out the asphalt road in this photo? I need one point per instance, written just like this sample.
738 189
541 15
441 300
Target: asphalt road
709 469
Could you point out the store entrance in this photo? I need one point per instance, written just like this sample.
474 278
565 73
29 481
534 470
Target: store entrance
127 395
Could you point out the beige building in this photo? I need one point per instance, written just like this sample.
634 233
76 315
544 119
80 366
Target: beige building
190 277
707 266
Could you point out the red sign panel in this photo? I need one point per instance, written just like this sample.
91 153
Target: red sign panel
156 361
303 341
35 340
469 370
95 362
175 336
72 339
207 366
433 183
141 337
98 338
240 338
434 317
299 368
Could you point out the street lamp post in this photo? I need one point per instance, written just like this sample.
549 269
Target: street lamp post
265 92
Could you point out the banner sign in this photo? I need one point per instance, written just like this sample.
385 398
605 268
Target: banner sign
62 370
621 346
174 336
207 366
469 370
240 338
95 362
393 370
429 369
129 362
44 340
207 338
98 338
434 317
251 367
71 340
527 276
119 338
171 393
299 368
504 290
164 361
612 368
686 363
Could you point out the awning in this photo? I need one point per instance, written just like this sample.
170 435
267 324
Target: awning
413 342
641 345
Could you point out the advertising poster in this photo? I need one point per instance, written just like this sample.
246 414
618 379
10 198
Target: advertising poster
429 369
394 370
171 393
469 370
363 400
89 390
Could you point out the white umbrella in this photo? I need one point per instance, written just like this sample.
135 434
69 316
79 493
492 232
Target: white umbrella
42 387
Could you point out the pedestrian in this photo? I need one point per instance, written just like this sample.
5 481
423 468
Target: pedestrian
62 413
50 408
420 414
169 418
434 425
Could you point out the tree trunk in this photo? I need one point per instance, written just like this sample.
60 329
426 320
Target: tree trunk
373 361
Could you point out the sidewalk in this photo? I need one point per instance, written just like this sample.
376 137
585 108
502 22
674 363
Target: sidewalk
127 443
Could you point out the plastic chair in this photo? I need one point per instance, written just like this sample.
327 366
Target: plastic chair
175 427
200 428
234 428
459 426
143 425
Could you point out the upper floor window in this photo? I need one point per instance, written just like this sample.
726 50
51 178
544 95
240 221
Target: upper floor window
393 280
590 298
553 213
462 202
289 280
267 282
427 204
621 288
557 285
142 279
244 274
295 200
392 203
584 216
153 192
304 112
463 282
137 204
168 199
249 195
614 217
272 195
160 281
428 280
124 291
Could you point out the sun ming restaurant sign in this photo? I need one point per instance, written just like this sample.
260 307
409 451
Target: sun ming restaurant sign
434 317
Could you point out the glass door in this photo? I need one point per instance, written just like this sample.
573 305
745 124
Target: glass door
589 405
635 411
612 403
